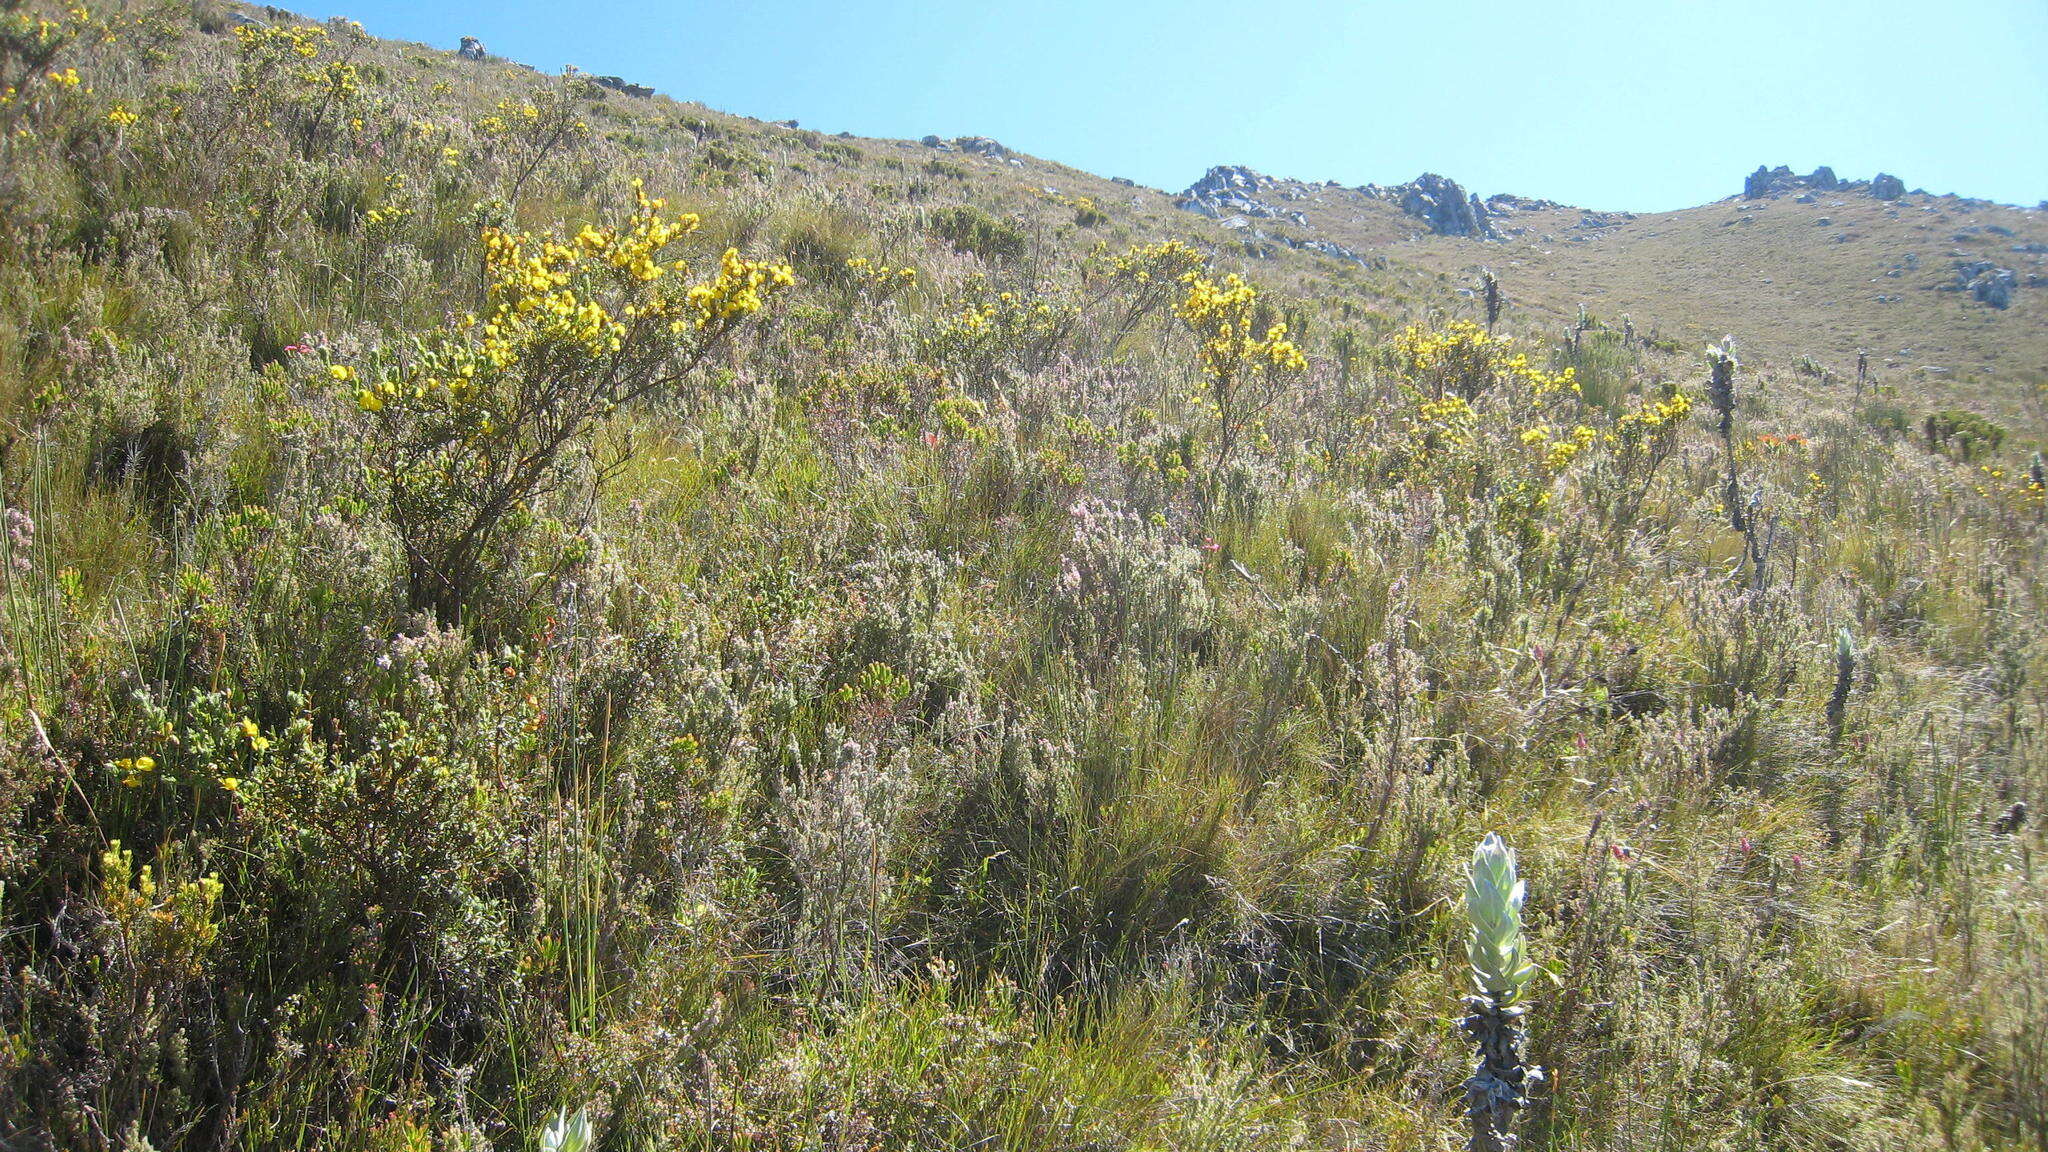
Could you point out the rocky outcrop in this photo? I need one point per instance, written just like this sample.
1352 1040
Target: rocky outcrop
1229 190
1777 181
472 49
1772 181
1445 206
1986 282
614 84
1503 204
973 145
1233 192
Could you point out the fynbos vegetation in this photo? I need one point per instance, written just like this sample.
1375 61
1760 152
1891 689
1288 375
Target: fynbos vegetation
537 616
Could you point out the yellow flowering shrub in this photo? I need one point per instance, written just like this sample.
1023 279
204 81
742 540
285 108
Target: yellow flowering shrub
1463 358
1140 281
1244 353
289 76
524 133
169 925
876 282
470 424
989 331
30 42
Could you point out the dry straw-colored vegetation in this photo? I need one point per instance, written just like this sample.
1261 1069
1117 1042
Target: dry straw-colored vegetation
539 619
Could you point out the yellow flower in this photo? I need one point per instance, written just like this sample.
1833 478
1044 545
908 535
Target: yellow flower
341 372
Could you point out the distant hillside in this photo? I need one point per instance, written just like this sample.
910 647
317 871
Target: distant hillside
1813 270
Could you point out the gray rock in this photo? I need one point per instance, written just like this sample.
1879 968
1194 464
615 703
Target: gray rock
981 146
1885 186
614 84
1230 190
1766 181
1986 282
1503 204
1445 206
1772 181
935 142
472 49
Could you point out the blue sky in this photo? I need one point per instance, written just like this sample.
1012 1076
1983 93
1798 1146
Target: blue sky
1644 106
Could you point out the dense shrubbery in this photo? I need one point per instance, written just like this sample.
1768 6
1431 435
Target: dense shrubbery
469 675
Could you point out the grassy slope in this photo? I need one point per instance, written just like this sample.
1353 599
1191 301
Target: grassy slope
924 740
1761 270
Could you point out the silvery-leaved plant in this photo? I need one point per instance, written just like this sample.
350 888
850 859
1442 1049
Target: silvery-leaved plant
567 1133
1493 902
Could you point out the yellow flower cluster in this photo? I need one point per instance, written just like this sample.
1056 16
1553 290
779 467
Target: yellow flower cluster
879 278
389 212
134 769
740 289
1222 315
586 297
120 116
256 42
177 925
1168 261
1448 422
1006 315
1559 448
1465 358
510 112
1652 415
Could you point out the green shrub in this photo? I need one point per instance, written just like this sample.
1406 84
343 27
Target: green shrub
971 229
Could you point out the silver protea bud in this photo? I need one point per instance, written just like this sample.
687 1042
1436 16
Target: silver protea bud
1493 902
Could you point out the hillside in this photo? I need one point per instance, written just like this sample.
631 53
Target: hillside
1821 274
538 614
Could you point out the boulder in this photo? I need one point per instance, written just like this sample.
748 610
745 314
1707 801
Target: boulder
981 146
1986 282
1885 186
472 49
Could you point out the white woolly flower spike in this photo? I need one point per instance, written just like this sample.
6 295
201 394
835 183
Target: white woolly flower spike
1493 902
567 1133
